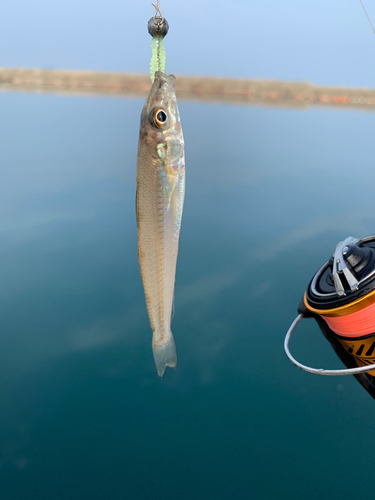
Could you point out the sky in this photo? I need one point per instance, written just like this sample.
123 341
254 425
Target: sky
323 42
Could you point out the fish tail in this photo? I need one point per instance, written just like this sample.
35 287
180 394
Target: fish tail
165 355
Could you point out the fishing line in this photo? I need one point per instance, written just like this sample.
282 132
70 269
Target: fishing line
160 17
355 324
363 7
158 28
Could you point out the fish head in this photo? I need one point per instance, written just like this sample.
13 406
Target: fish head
161 131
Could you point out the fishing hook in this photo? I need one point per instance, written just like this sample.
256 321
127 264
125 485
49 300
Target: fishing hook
158 19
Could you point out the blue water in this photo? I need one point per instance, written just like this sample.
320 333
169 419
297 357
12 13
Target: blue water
83 414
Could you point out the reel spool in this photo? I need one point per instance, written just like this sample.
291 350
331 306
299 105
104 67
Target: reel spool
341 297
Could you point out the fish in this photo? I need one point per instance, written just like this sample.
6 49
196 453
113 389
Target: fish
159 204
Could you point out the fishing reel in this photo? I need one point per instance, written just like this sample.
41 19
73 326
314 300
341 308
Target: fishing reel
341 298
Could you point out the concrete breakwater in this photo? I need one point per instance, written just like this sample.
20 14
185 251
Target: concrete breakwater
209 89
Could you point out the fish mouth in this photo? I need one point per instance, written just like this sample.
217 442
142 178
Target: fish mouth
162 93
162 79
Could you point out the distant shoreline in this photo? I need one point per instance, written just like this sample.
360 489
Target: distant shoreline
208 89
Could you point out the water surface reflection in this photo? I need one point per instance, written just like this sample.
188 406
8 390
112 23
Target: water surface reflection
82 413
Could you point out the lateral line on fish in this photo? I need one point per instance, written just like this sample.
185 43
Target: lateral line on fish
161 254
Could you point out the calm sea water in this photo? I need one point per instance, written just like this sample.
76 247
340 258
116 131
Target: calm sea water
83 414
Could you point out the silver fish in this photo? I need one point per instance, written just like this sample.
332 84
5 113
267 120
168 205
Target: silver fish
160 198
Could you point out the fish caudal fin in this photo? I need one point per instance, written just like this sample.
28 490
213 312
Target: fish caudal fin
165 355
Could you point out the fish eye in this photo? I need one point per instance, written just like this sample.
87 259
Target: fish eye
159 118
